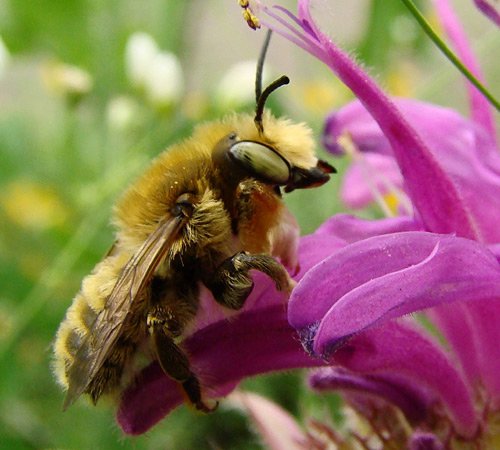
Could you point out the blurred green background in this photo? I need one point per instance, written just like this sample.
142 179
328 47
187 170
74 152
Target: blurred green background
74 131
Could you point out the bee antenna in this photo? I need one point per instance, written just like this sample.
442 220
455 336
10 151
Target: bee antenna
281 81
260 66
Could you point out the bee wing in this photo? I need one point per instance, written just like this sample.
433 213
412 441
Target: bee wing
106 329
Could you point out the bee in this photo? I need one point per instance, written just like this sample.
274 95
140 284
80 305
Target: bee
206 212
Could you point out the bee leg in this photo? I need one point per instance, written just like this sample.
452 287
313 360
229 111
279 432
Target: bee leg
231 283
175 364
170 311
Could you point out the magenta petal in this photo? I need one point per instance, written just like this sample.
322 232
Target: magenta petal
408 397
462 149
351 228
400 349
487 340
430 188
436 270
425 441
314 248
221 354
352 120
351 267
456 325
495 249
374 173
489 10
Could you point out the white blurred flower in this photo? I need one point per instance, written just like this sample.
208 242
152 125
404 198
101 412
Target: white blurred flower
158 73
237 86
121 112
4 56
140 51
66 79
164 83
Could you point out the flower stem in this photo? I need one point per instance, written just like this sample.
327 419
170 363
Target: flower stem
448 53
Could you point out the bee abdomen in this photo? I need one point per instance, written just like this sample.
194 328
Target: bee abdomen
74 337
110 374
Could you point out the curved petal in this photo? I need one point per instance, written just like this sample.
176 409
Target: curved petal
413 401
400 349
462 149
353 266
437 270
221 354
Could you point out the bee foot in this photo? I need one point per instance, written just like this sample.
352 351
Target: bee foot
207 408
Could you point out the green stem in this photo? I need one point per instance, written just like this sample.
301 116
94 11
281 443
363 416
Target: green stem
448 53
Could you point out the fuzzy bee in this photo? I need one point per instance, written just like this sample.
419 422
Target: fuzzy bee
207 211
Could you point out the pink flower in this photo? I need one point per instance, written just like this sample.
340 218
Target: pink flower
361 280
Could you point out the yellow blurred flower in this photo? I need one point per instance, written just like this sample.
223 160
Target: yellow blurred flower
31 205
321 96
402 79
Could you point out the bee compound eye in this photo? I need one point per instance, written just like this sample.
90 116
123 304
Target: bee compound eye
261 161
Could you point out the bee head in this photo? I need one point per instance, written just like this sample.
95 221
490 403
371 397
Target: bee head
266 163
283 155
